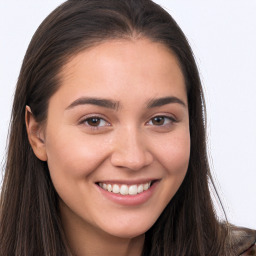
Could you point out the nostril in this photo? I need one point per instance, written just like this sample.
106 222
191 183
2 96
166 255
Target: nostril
131 160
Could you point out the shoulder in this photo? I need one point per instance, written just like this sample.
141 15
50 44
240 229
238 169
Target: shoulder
251 251
242 240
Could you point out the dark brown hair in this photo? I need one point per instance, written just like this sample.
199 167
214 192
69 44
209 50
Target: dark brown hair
29 219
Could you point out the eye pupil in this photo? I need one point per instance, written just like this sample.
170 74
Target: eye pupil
94 121
158 120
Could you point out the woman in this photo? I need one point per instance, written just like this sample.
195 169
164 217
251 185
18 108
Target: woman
110 158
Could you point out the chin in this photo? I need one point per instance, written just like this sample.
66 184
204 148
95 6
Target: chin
130 231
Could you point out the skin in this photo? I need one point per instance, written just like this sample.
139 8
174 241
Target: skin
126 144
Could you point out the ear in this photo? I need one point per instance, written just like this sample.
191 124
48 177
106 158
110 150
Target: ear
35 135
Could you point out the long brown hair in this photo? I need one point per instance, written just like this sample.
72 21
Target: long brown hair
29 218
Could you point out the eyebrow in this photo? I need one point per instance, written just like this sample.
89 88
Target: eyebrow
106 103
164 101
111 104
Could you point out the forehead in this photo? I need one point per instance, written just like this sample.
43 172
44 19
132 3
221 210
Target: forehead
129 66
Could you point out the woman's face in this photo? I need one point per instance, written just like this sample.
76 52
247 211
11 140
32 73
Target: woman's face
118 124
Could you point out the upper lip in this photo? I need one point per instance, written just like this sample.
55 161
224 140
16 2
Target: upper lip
128 182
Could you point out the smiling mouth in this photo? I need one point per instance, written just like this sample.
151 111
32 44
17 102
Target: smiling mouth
124 189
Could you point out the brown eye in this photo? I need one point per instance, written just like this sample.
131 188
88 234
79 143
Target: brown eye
161 121
93 121
158 120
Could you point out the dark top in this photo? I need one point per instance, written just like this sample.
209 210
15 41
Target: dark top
243 241
251 251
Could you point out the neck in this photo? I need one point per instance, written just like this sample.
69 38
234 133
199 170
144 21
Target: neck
98 246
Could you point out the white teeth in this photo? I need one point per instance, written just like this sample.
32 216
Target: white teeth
133 190
140 188
146 186
109 187
125 189
116 189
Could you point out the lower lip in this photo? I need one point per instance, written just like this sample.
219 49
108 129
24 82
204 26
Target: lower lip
129 200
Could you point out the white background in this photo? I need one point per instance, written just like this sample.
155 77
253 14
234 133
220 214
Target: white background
223 37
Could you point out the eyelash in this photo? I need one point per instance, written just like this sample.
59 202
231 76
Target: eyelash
87 119
169 119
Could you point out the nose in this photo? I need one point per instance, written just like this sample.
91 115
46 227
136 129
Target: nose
131 151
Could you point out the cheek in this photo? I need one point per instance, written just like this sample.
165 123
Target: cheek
74 156
174 157
72 160
175 153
